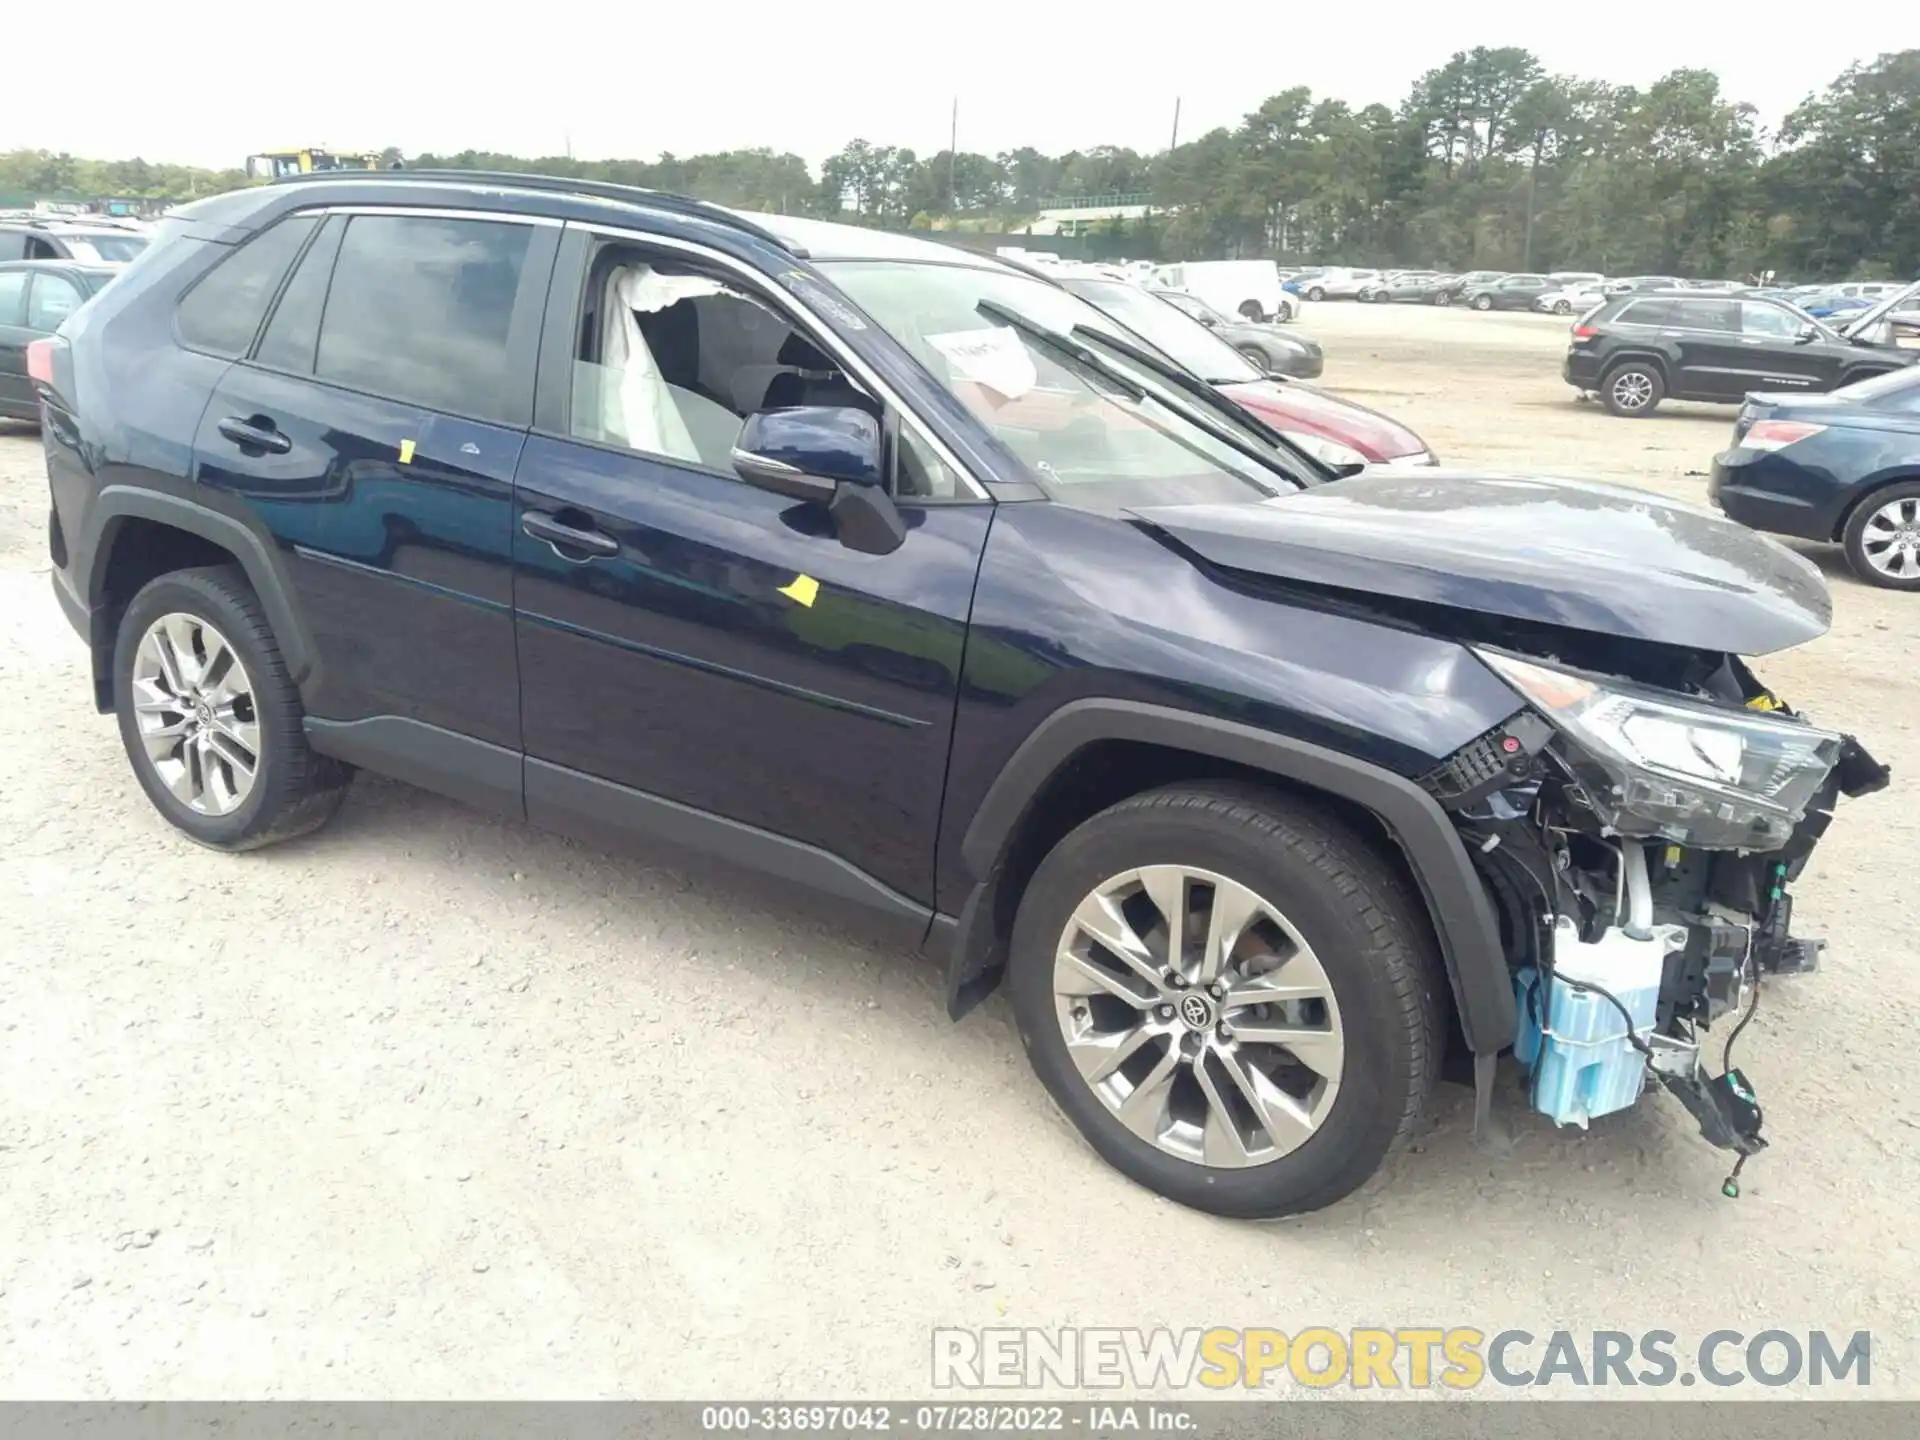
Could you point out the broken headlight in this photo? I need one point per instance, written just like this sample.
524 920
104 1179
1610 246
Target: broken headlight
1654 765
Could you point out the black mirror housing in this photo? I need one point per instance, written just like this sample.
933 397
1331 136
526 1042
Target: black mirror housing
809 451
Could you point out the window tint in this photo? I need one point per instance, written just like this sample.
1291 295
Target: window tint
1705 315
1648 312
921 474
293 333
13 296
52 299
420 309
222 312
1765 320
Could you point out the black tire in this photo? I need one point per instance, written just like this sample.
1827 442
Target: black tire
1483 303
1633 390
1315 292
294 790
1854 535
1562 307
1254 355
1362 920
1441 297
1250 310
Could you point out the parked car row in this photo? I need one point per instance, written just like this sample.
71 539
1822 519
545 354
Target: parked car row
35 296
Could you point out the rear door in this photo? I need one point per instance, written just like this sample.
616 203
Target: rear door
16 394
373 426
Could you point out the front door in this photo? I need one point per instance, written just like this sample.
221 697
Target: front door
705 660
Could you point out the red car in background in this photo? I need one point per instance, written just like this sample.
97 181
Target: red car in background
1332 430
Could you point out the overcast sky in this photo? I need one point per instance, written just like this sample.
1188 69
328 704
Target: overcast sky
206 81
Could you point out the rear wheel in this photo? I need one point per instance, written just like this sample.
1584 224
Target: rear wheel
1562 307
210 720
1441 297
1882 537
1316 293
1633 389
1483 303
1250 310
1232 997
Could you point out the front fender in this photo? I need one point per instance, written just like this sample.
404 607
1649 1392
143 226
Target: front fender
1456 899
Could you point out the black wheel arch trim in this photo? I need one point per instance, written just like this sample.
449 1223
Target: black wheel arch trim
1652 358
265 573
1457 901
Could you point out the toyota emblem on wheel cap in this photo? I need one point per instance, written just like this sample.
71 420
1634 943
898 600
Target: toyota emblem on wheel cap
1195 1010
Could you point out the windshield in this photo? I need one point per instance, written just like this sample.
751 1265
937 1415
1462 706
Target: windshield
114 249
1089 440
1164 327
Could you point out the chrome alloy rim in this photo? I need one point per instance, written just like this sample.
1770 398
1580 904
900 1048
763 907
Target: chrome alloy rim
1199 1016
1891 539
1632 390
194 708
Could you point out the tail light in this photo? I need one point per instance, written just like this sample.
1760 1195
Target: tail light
40 361
1778 434
1585 332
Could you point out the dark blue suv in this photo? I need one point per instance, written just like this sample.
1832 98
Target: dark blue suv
889 570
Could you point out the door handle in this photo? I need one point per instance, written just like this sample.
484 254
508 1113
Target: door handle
564 537
255 434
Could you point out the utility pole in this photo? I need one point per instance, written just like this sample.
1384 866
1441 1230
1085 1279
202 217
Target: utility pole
1174 142
953 147
1533 178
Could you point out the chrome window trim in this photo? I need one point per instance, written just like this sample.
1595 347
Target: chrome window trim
426 212
824 334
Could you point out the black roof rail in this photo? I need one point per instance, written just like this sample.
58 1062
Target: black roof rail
562 185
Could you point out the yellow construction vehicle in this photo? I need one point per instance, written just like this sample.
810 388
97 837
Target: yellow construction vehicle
280 164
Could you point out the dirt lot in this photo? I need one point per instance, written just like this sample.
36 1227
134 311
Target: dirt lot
431 1105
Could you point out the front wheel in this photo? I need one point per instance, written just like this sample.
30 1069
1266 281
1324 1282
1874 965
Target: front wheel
1883 537
1256 357
210 719
1562 307
1483 303
1632 390
1316 293
1232 996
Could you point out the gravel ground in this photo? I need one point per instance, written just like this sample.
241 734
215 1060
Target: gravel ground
435 1106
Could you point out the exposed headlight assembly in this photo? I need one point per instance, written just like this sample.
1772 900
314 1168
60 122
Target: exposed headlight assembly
1656 766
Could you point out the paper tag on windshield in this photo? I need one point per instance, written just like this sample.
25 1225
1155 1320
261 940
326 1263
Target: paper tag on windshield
996 358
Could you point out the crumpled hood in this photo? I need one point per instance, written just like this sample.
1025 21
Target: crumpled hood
1587 556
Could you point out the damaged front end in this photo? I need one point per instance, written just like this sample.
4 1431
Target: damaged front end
1640 841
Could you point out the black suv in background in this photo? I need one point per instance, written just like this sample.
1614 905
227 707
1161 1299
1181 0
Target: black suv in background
35 296
898 573
1640 348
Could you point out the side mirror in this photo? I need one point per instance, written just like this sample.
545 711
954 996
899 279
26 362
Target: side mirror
1212 322
1806 335
825 455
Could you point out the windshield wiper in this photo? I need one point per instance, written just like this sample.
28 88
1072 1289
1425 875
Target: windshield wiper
1114 375
1078 355
1185 380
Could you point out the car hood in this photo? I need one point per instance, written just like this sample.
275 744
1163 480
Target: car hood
1575 554
1289 405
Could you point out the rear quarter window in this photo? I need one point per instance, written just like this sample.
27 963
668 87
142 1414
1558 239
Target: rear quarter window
222 313
1647 312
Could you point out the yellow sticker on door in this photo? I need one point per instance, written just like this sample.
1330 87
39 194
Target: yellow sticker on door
804 589
406 452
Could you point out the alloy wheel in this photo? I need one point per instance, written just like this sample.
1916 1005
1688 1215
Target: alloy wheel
1891 538
193 705
1632 389
1199 1015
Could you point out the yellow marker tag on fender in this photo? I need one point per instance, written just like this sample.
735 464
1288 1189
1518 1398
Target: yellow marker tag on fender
804 589
406 452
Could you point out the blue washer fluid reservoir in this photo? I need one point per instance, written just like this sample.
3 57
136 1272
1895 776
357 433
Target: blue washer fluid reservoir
1575 1040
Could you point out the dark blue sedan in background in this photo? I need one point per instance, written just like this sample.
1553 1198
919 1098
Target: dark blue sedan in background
1841 466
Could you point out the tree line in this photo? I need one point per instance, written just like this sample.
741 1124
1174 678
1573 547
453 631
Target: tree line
1487 162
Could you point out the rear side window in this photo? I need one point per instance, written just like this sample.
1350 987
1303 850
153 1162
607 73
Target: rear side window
293 334
222 313
1647 312
421 310
1706 315
13 296
54 297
